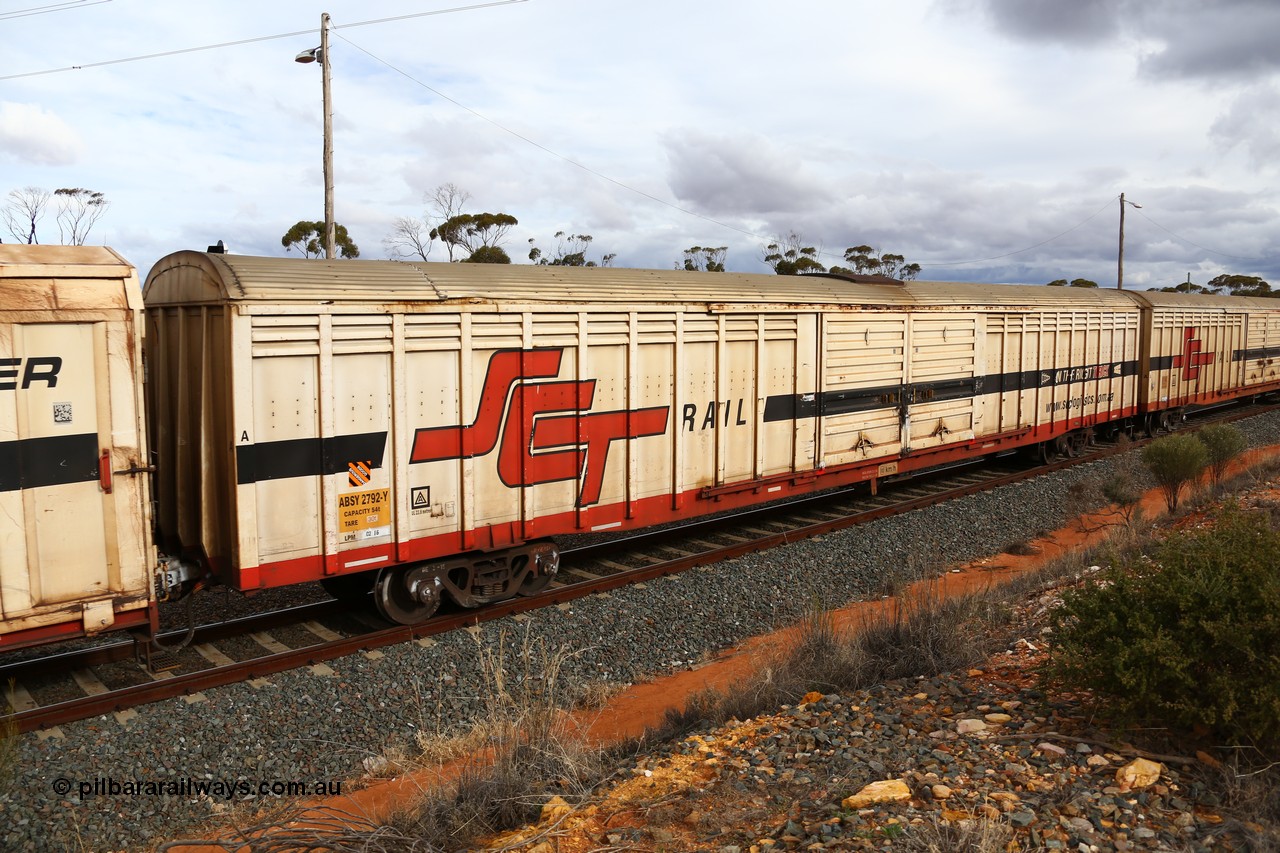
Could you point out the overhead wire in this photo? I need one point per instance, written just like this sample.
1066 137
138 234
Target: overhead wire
1177 236
544 148
239 42
50 8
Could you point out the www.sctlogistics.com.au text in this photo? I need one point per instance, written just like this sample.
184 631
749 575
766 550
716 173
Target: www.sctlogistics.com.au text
185 786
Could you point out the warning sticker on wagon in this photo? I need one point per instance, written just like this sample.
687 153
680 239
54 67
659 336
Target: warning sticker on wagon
364 515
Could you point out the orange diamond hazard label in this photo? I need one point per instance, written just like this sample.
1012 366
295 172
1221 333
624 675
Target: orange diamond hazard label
359 473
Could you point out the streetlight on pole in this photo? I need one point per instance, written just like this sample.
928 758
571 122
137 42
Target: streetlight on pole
321 53
1120 257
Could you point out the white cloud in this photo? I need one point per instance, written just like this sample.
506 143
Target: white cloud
945 130
33 135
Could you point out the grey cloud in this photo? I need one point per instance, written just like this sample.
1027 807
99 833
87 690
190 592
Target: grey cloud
741 175
1228 38
964 227
1078 21
1250 123
1186 38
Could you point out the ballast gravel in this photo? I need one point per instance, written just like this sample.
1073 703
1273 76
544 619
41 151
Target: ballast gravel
173 769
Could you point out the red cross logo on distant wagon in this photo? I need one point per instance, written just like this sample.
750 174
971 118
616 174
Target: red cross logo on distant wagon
1191 357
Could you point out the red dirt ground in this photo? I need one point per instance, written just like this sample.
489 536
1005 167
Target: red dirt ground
644 706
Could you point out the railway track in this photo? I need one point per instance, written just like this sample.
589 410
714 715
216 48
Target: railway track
115 677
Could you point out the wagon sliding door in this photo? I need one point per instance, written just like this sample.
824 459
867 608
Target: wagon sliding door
55 418
942 375
863 373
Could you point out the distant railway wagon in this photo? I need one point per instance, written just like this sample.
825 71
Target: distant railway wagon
1206 349
76 554
424 430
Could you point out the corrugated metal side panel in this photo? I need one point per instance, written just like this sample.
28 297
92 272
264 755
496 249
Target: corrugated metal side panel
864 364
189 393
943 361
1261 355
1194 353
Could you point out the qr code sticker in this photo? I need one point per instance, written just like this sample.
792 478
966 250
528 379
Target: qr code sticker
62 413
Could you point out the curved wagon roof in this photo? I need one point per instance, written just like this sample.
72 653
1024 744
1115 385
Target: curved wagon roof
199 277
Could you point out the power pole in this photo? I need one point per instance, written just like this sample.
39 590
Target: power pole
1120 255
321 54
330 230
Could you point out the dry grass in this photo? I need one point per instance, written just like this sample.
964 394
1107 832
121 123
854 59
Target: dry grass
8 745
1249 790
522 751
923 633
593 695
974 835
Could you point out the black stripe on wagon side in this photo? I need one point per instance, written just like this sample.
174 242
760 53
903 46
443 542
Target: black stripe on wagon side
1255 354
30 463
307 457
787 407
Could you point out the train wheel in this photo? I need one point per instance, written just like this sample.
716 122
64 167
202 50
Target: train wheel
546 563
534 584
1079 442
1048 452
352 587
407 595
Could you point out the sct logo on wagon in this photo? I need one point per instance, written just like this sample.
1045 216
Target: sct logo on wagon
544 431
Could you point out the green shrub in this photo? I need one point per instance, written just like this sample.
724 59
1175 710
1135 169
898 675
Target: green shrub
1224 443
1174 461
1122 489
1189 637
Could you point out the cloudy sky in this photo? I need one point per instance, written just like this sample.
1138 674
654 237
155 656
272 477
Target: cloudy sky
988 140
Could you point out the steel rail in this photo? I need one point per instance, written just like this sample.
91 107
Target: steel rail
184 684
114 652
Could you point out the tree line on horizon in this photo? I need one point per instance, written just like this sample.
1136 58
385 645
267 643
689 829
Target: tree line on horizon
478 237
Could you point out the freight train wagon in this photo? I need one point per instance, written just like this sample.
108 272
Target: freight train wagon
426 428
1202 350
76 554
